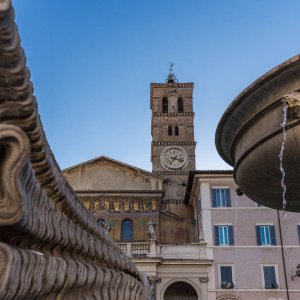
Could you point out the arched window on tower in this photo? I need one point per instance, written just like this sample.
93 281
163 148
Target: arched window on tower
180 104
176 130
165 105
127 230
169 130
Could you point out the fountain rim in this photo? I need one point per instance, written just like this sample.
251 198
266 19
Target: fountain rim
225 152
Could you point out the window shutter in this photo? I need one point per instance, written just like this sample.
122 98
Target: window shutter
223 274
298 226
214 197
217 241
230 235
272 234
258 237
268 277
229 274
227 195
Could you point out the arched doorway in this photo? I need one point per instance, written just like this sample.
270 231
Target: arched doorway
180 290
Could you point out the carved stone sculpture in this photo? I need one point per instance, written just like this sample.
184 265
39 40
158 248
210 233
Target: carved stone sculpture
151 230
50 245
105 225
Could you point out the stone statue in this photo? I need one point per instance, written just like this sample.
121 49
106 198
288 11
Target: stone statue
105 225
151 230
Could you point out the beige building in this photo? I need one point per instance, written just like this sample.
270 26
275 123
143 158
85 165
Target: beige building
255 250
186 229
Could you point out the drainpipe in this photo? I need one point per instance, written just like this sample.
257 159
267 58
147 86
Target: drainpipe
283 258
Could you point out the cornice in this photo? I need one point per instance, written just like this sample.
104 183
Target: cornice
168 85
129 193
172 172
172 201
186 143
155 114
125 214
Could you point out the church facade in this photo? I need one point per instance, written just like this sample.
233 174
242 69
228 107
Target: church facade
186 230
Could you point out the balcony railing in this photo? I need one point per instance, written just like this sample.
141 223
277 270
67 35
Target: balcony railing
139 249
152 249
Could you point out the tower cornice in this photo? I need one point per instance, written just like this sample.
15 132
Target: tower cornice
173 114
177 143
169 85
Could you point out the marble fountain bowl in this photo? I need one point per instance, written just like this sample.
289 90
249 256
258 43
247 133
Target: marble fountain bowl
249 137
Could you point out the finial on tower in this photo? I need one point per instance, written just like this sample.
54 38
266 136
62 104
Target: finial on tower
171 67
171 76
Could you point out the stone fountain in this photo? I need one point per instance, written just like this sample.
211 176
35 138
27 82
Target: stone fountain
50 246
253 131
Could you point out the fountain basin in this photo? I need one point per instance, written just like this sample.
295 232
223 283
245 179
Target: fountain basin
249 137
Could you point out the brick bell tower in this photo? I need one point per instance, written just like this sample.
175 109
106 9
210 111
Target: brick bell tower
173 144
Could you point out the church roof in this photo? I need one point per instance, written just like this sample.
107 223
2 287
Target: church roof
106 174
114 161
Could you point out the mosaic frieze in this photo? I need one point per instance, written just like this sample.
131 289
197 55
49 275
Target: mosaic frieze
120 204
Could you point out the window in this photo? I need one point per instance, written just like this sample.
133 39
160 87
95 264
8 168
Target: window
176 130
165 105
169 130
221 197
265 235
269 274
226 277
180 104
127 230
298 227
224 235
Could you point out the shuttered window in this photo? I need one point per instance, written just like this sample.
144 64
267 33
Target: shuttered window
226 277
265 235
270 277
298 227
223 235
221 197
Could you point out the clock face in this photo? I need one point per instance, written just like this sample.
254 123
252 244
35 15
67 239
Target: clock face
174 158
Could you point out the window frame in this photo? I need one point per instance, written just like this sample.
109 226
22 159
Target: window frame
275 266
272 234
229 232
227 192
232 275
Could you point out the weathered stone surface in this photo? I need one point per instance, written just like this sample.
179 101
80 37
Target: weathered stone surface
250 136
51 247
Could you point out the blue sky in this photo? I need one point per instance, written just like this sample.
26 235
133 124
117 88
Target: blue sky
92 63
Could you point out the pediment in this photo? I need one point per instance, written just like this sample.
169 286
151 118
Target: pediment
106 174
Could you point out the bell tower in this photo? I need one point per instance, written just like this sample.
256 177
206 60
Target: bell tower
172 130
173 154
